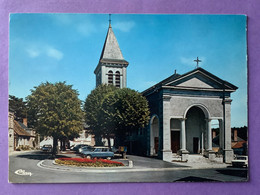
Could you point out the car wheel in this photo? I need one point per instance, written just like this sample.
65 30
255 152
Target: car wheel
108 158
88 156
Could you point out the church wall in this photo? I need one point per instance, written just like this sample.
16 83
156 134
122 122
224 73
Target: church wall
156 108
104 79
180 105
123 78
104 73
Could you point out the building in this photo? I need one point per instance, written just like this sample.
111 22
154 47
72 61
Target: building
182 109
20 136
111 68
84 138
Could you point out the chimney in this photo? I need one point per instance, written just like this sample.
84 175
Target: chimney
25 121
235 135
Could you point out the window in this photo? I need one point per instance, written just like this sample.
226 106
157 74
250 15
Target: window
118 79
98 150
110 77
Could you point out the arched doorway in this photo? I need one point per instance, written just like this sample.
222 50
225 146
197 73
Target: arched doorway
175 125
196 129
154 136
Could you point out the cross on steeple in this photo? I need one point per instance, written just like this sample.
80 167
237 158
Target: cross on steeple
109 20
197 60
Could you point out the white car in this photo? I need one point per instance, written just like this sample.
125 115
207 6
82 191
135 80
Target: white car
240 161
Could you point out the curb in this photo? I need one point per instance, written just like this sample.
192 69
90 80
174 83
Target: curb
116 169
130 165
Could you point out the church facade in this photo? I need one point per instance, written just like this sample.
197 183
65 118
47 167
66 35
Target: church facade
182 109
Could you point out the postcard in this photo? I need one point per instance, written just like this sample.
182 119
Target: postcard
97 98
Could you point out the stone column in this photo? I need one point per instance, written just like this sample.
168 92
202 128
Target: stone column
167 152
221 133
184 153
202 143
210 153
228 152
183 135
209 134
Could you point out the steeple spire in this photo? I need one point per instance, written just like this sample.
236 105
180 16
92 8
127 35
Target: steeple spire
111 68
109 20
111 49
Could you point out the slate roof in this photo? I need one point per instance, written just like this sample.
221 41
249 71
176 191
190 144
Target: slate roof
111 51
19 130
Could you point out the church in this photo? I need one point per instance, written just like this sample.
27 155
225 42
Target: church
182 108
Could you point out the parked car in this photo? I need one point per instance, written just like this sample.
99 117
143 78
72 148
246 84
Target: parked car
98 152
240 161
85 148
77 147
47 148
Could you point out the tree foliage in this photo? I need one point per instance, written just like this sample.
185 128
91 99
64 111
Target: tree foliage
124 110
92 108
111 111
18 106
55 110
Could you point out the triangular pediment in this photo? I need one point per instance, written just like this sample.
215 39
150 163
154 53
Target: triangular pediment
199 79
195 82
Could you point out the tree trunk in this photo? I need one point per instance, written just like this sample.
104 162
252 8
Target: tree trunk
55 146
64 144
55 150
98 140
109 142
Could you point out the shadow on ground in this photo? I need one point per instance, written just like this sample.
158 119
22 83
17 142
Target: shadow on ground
195 179
234 172
40 156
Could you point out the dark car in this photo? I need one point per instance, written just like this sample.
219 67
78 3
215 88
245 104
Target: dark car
47 148
98 152
77 147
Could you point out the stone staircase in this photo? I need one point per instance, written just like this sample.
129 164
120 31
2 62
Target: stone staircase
197 158
176 157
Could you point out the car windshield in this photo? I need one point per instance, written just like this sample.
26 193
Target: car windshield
86 148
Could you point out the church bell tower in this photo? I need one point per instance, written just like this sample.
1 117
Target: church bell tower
111 68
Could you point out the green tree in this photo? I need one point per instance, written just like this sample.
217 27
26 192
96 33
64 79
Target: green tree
55 110
123 111
92 108
18 106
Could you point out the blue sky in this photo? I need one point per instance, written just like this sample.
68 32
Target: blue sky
67 47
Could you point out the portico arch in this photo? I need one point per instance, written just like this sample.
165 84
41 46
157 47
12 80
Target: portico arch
154 135
198 129
201 106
